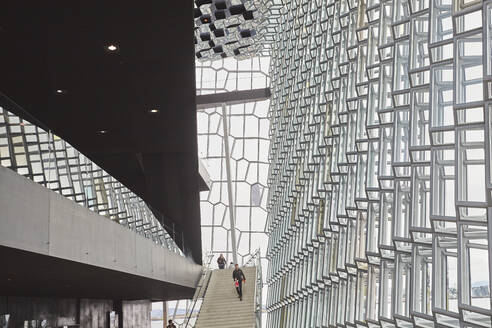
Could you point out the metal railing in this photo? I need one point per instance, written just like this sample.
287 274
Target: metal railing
255 261
194 306
197 300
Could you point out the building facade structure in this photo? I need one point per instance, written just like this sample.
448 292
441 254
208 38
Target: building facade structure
249 144
380 179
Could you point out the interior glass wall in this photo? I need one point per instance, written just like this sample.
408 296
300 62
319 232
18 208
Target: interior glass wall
380 184
249 145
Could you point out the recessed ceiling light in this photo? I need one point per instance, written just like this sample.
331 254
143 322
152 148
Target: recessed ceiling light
102 131
154 111
112 47
60 91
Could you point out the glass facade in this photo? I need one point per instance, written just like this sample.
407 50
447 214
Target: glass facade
249 144
380 180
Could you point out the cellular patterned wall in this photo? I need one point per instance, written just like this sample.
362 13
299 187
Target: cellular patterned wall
380 181
249 146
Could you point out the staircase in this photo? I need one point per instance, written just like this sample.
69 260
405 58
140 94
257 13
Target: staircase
221 306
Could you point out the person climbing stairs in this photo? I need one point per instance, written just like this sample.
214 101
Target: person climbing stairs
221 306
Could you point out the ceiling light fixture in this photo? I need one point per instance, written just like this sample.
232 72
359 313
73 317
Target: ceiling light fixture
112 47
60 91
154 111
102 131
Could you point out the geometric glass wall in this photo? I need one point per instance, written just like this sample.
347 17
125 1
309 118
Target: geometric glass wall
380 185
249 144
249 166
230 74
248 126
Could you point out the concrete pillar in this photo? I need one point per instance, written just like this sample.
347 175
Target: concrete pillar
164 314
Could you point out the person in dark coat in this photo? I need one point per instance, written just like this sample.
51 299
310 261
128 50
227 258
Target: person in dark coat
221 261
171 324
239 277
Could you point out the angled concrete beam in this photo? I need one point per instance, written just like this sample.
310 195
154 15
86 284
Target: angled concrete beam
231 98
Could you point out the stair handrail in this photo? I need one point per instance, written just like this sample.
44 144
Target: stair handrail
255 260
205 269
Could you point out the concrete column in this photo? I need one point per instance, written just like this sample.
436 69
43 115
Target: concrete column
164 314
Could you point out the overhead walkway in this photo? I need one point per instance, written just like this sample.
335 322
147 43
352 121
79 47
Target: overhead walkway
52 246
221 306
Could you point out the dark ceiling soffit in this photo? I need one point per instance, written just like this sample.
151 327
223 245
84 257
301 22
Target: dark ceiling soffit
56 277
232 98
11 106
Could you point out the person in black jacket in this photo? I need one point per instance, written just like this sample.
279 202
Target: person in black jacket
221 261
171 324
238 275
